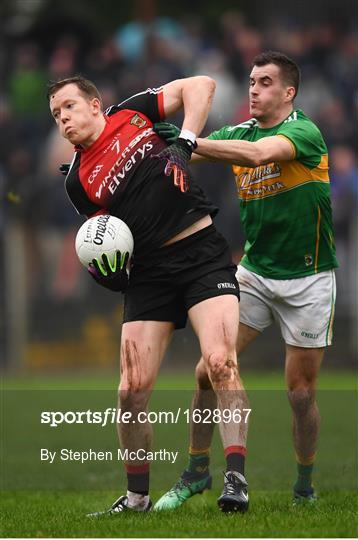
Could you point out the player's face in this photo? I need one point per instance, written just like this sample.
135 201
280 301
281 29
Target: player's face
268 94
75 115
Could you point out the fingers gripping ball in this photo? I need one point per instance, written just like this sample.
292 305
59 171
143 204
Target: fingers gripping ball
111 276
104 245
103 235
105 268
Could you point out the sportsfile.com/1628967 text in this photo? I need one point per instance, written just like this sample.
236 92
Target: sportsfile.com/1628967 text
112 415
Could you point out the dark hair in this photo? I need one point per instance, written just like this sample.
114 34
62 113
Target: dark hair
84 85
290 71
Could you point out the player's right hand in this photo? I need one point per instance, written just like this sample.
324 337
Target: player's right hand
167 131
111 276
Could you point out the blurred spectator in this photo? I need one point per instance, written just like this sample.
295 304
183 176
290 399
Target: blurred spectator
26 83
334 122
8 135
23 186
28 108
313 96
57 239
344 181
62 61
22 195
105 65
228 92
132 38
344 173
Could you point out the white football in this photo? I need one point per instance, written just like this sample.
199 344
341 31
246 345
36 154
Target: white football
103 234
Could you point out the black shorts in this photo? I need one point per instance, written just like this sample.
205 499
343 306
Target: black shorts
176 277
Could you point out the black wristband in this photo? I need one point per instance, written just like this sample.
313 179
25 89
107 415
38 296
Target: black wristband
192 145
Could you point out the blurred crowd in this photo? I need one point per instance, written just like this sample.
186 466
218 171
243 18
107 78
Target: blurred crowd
147 52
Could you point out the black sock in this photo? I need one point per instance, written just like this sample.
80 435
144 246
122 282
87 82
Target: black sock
138 478
235 459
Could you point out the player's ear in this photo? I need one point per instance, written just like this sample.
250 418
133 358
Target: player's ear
96 105
290 93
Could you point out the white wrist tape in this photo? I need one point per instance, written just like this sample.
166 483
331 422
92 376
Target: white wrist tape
187 135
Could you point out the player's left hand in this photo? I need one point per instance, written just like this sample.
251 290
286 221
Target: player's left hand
111 276
167 131
177 156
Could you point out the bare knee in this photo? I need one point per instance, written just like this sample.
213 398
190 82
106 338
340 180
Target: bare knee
301 398
222 367
302 367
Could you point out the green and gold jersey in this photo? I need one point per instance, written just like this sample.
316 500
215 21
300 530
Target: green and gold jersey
285 206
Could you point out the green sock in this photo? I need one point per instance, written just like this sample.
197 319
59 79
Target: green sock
198 464
304 478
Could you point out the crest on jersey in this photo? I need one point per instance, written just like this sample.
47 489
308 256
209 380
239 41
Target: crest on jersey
138 121
308 259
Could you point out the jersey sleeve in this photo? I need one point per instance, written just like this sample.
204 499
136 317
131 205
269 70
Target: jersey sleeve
227 133
307 141
76 193
220 134
79 199
150 103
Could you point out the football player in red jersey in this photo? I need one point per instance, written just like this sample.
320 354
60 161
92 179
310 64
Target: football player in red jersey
181 266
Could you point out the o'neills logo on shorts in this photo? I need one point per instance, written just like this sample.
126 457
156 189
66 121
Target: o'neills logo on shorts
309 335
226 286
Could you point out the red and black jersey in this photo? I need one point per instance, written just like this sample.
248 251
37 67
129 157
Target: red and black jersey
116 175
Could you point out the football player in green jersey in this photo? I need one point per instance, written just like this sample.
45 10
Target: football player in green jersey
280 162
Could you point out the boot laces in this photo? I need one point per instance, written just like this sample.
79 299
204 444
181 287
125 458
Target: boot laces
232 483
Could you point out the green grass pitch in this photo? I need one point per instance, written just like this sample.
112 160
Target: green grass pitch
40 500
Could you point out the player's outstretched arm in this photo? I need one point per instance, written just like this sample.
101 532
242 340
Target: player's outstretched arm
245 153
195 95
170 133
